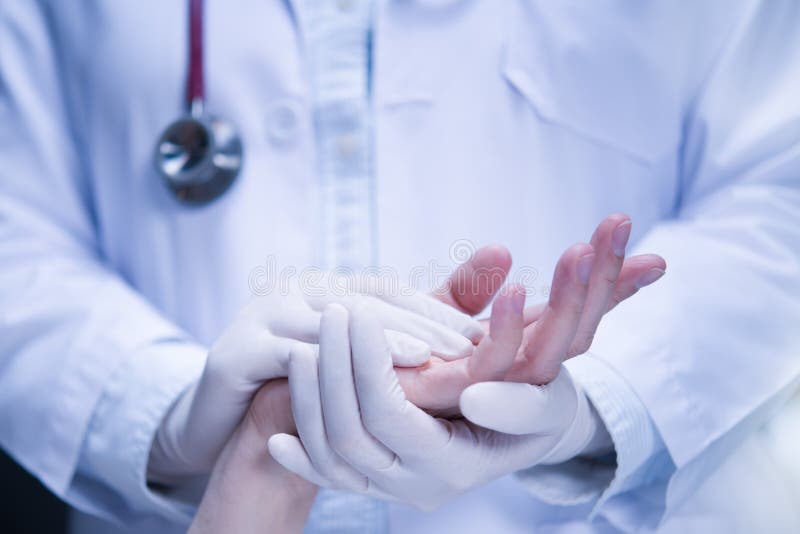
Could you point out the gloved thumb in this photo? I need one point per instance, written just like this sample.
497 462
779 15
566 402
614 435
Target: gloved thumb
518 408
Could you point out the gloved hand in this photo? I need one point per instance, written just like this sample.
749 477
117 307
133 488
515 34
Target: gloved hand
255 349
359 432
523 409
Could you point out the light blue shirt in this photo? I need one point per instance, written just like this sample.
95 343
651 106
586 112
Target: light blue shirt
339 50
517 122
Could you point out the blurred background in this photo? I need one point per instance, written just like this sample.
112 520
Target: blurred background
25 505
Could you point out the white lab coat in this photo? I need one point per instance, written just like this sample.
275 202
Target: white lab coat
517 122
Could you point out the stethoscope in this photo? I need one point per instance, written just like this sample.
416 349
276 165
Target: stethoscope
199 156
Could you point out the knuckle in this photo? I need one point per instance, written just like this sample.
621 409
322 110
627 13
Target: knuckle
576 309
610 278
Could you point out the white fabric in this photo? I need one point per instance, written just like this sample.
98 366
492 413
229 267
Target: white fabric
517 122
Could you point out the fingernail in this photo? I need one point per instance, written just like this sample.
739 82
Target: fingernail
649 277
619 238
585 267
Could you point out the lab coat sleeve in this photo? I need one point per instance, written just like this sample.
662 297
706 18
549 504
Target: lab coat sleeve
711 350
72 332
639 454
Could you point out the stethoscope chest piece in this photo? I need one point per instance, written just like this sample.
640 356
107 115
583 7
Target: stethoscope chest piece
199 158
198 155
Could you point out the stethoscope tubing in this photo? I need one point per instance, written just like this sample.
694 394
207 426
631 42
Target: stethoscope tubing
195 82
198 156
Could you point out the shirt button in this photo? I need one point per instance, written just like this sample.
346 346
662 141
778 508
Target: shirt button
347 146
283 121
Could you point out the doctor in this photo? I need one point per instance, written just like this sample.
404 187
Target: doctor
373 133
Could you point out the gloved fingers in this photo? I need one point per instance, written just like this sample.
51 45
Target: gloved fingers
242 370
475 282
609 241
387 414
435 310
301 322
241 361
296 320
637 272
444 342
271 358
406 350
307 410
289 452
496 352
546 342
340 407
518 408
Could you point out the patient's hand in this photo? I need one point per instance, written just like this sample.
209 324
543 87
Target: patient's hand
249 491
530 345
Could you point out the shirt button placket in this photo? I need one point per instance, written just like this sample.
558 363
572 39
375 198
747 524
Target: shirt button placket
338 47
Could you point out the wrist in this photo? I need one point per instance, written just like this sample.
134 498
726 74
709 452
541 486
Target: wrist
248 488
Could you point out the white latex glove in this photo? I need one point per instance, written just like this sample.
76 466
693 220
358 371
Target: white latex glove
359 432
255 348
523 409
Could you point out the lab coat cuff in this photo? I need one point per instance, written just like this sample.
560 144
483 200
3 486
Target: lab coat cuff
592 480
117 448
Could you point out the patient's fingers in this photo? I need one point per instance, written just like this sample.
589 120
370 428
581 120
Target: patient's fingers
637 272
533 313
609 242
473 284
496 352
546 342
438 386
